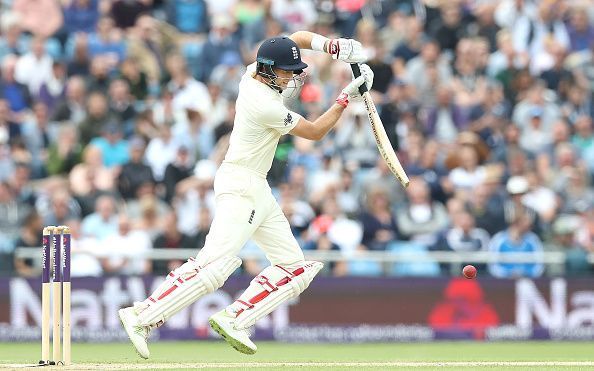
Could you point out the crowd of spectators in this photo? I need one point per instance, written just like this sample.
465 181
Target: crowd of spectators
114 115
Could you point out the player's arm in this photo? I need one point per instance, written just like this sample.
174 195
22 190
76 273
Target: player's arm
317 129
348 50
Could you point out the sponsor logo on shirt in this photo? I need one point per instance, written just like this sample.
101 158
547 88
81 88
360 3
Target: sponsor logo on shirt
288 119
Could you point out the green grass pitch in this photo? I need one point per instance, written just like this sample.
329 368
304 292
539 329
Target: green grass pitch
284 356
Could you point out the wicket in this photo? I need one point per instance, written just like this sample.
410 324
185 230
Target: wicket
55 252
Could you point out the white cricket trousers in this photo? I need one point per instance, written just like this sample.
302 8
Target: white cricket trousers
245 208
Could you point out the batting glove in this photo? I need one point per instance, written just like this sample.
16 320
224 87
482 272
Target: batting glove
348 50
350 92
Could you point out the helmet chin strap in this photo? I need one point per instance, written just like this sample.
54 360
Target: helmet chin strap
269 76
270 79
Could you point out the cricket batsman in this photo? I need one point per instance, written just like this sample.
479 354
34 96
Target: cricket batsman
244 205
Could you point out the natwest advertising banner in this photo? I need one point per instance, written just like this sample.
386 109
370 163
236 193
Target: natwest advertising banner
333 309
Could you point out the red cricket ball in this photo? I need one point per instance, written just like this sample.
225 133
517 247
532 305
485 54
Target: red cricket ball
469 272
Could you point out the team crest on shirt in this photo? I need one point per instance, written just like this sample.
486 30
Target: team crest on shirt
288 119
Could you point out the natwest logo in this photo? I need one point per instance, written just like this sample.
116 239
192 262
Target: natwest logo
561 310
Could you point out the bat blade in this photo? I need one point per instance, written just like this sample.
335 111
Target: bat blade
379 133
383 142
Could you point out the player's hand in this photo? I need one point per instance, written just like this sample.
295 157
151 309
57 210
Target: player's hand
367 73
348 50
350 92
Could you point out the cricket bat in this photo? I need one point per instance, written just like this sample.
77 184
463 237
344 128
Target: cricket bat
381 138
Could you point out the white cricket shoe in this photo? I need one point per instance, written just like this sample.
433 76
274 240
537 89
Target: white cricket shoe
138 334
223 324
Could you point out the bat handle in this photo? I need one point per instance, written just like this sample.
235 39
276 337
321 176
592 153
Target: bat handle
357 73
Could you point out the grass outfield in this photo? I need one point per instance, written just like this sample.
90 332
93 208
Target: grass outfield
282 356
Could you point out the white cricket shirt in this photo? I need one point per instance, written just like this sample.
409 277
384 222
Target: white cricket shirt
260 120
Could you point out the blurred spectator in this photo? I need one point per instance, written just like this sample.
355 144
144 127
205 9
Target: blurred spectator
147 209
555 74
421 219
135 172
410 47
78 65
463 235
85 261
21 185
107 43
36 135
60 208
518 187
149 42
72 107
40 17
12 212
450 27
446 119
379 224
126 12
517 238
195 134
121 105
380 175
170 238
148 215
427 70
65 153
576 258
531 34
187 16
299 213
540 198
193 194
15 93
187 91
179 169
323 243
161 151
31 238
585 233
136 79
296 14
506 57
97 118
576 193
98 77
103 222
535 137
204 222
114 149
577 104
34 68
469 173
13 41
354 139
124 251
344 232
80 15
221 40
90 178
581 32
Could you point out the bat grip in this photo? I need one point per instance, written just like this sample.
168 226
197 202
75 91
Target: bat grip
357 73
